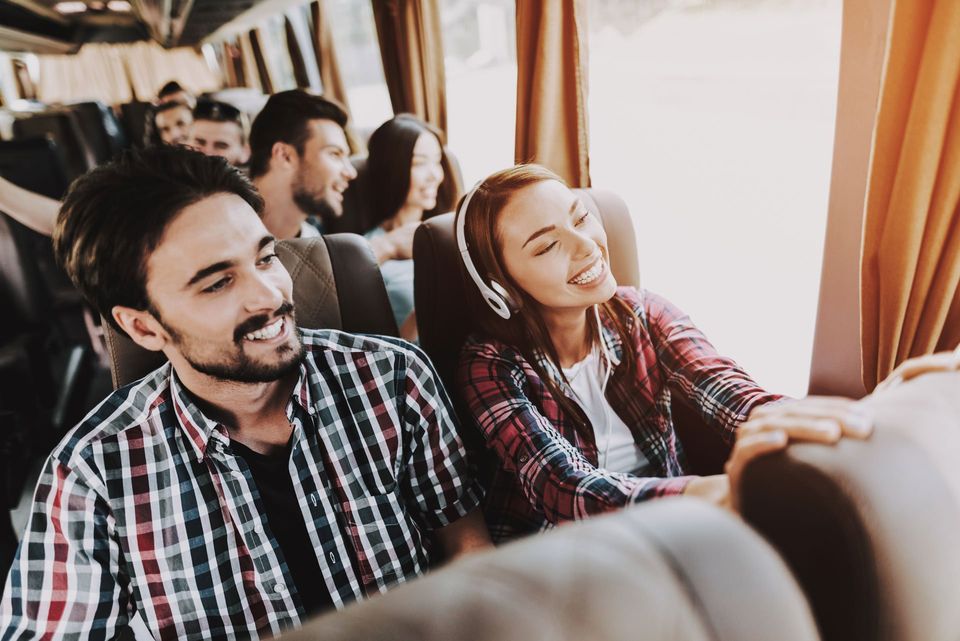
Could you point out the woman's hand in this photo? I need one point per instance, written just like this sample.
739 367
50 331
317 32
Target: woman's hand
941 362
816 419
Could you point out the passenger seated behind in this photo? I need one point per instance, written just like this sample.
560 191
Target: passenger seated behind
221 130
571 377
246 483
300 162
172 121
405 168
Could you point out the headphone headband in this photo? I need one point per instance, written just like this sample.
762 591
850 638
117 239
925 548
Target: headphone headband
493 294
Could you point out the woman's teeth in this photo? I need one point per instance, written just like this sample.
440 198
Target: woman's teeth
590 275
270 331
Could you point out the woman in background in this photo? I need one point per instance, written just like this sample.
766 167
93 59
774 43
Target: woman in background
405 169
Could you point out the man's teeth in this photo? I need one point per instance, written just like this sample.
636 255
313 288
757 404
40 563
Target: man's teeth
268 332
590 275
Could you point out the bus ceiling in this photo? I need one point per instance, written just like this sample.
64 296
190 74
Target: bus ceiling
62 26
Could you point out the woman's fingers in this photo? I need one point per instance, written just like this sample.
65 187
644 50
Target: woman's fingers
796 428
940 362
816 414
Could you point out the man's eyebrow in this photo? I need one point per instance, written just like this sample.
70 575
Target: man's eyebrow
210 269
226 264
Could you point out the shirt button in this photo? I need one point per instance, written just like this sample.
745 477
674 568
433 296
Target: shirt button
258 528
333 558
237 474
279 588
524 458
313 499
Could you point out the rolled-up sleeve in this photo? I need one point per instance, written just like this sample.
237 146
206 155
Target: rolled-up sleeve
719 389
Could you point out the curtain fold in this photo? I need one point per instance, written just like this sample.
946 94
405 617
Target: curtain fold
910 263
326 54
552 88
411 48
296 55
259 58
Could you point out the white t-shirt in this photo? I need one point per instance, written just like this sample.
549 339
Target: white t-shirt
610 432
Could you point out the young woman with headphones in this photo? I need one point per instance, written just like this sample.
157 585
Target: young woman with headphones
570 377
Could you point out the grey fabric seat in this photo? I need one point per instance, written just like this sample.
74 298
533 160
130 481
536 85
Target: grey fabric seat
676 569
870 528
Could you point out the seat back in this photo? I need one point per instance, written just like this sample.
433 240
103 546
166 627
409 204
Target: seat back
336 285
63 127
101 129
135 117
443 317
870 528
36 164
672 570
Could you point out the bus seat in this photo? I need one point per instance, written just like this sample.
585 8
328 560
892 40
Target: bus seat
101 129
358 198
36 164
336 285
63 127
672 570
870 527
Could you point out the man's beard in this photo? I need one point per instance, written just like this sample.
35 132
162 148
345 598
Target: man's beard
311 204
238 367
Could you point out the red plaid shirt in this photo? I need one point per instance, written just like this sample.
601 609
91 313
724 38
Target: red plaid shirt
547 471
143 508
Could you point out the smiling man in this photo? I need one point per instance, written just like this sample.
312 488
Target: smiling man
300 162
263 474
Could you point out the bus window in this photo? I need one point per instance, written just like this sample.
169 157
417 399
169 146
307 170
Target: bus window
479 41
714 121
358 55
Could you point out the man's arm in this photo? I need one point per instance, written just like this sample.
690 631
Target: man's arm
64 578
465 535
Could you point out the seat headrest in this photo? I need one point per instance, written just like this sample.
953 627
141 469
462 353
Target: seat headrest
870 528
443 318
336 285
675 569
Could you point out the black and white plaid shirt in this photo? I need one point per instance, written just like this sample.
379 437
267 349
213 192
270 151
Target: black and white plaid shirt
143 507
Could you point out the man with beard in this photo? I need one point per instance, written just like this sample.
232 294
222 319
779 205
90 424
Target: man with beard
300 162
263 474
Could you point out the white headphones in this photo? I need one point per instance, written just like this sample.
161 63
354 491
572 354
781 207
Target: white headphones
494 294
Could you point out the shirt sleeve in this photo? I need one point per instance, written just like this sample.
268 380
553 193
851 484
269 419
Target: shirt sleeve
441 482
67 579
555 476
714 385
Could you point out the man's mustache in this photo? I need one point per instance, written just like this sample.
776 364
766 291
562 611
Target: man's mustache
254 323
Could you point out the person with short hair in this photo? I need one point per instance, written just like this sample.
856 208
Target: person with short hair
173 91
266 472
300 162
405 169
172 122
220 129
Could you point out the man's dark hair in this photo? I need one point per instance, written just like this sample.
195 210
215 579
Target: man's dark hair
114 217
171 87
285 118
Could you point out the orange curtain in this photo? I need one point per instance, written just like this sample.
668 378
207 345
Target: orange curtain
910 266
552 87
411 48
262 70
326 55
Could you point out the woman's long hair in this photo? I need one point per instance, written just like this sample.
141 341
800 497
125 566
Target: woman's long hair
388 166
526 329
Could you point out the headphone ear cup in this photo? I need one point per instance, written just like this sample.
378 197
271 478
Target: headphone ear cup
511 302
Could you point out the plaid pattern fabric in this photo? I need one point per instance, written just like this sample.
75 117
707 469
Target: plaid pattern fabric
143 508
547 470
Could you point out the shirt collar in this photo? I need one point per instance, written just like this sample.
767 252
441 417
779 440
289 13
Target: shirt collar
199 429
